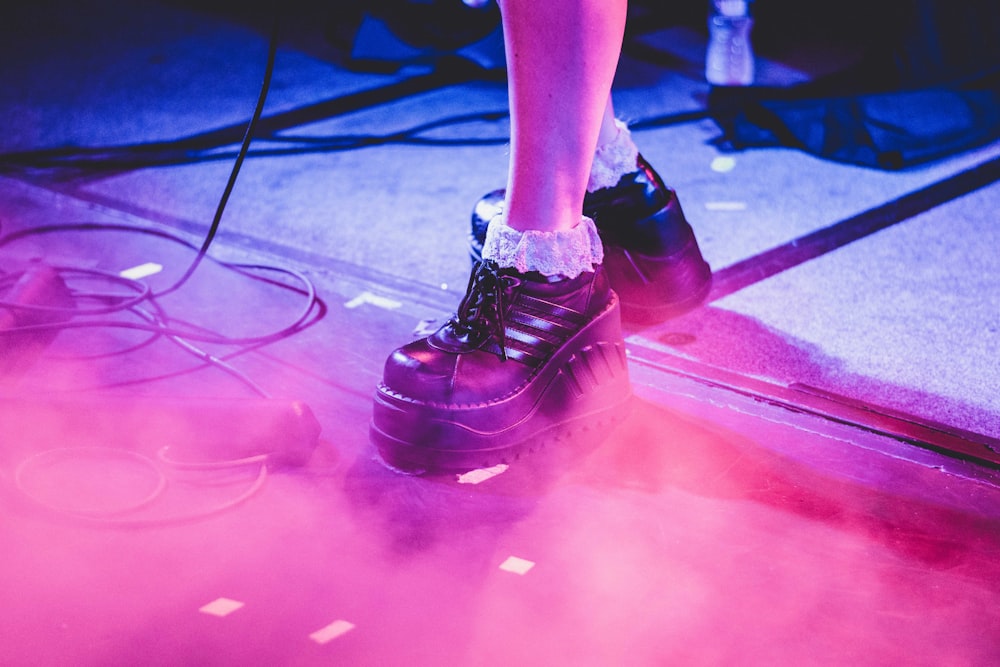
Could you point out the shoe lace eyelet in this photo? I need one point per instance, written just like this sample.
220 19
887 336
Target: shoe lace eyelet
482 310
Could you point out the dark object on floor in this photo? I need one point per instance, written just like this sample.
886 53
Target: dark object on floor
426 31
38 296
927 87
889 130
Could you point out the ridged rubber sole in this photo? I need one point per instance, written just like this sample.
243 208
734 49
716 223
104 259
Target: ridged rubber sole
585 384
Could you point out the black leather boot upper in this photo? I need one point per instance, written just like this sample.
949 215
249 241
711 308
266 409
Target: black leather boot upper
626 214
507 326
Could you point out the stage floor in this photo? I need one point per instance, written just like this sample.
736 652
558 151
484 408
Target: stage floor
808 473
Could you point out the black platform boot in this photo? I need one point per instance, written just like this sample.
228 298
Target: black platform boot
525 358
651 254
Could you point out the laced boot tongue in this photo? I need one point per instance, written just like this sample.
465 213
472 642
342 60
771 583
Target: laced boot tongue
480 315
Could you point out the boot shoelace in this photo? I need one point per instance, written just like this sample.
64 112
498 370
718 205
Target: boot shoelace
482 309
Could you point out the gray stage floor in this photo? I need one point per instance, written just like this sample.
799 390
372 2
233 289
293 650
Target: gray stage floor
805 477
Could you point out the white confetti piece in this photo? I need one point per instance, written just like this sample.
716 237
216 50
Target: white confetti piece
373 300
221 607
516 565
723 164
726 205
482 474
141 271
331 632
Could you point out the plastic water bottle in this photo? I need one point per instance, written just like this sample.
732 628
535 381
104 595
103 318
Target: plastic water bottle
729 60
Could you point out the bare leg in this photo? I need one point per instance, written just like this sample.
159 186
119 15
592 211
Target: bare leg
561 60
609 131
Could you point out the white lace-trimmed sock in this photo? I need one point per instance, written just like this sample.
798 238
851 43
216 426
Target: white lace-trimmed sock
613 159
562 253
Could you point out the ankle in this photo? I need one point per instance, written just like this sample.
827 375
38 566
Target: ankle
613 159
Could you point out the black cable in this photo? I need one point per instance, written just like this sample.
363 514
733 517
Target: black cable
210 235
244 147
136 514
304 287
207 358
169 331
128 157
134 157
158 324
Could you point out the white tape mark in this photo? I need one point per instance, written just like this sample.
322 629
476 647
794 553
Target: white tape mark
426 327
141 271
374 300
221 607
331 632
516 565
726 205
482 474
723 164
